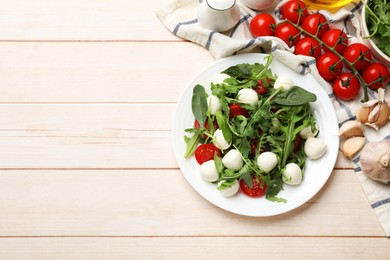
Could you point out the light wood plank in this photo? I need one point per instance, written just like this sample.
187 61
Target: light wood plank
195 248
88 136
98 72
162 203
82 20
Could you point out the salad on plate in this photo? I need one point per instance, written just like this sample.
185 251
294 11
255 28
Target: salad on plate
253 131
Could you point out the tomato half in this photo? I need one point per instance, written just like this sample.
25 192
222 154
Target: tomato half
256 190
262 25
329 65
295 11
262 87
346 86
359 55
236 110
288 33
377 75
205 152
315 24
335 38
309 47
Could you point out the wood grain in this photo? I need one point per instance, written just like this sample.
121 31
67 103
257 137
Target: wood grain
162 203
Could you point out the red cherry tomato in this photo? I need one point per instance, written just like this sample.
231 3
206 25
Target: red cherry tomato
377 73
335 38
262 25
309 47
346 86
358 54
288 33
254 192
329 66
205 152
262 87
315 24
295 11
236 110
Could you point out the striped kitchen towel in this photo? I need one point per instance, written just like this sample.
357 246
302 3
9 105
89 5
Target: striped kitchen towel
180 17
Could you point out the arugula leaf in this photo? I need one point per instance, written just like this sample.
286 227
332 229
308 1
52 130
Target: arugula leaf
295 96
222 124
191 143
199 104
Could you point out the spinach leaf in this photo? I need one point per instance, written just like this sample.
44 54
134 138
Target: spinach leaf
223 125
295 96
199 104
191 143
240 71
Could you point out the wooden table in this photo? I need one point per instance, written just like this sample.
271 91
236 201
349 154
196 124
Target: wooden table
88 92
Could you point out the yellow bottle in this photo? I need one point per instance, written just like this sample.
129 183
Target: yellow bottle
330 5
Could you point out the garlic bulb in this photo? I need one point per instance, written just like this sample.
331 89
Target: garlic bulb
314 148
374 113
375 159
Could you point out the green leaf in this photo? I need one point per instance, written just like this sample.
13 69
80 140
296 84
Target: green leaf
199 104
295 96
222 124
192 143
276 199
239 71
247 177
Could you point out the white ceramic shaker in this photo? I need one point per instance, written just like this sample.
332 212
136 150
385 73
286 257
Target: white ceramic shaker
218 15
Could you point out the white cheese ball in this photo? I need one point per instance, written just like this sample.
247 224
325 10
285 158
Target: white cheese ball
228 192
306 132
283 82
214 104
208 171
220 141
248 96
314 148
267 161
233 160
292 175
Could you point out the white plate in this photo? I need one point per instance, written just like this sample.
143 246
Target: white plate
317 171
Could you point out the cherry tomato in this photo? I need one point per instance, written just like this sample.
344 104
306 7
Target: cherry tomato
315 22
254 192
377 73
205 152
329 66
236 110
261 87
358 54
288 33
262 25
335 38
295 11
346 86
309 47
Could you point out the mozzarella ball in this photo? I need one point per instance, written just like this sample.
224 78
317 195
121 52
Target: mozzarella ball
233 160
267 161
228 192
306 132
208 171
220 141
314 148
220 78
214 104
248 96
292 174
283 82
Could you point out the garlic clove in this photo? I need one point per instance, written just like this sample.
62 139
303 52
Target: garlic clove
351 128
314 148
375 160
352 146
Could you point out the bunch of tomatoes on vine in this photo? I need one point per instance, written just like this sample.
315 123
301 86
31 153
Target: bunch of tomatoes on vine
347 67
